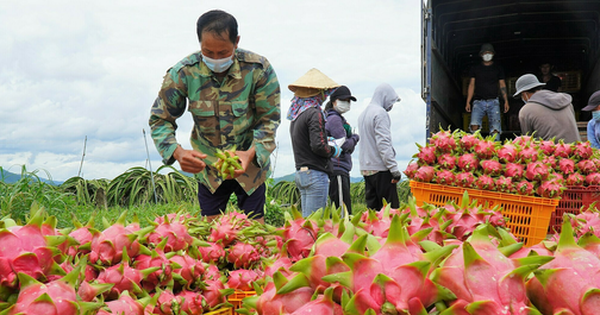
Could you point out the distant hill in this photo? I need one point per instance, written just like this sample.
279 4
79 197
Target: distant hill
11 178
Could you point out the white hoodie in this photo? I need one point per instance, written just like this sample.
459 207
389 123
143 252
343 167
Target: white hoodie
376 152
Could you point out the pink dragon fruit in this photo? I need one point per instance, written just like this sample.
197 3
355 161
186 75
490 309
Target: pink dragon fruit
411 169
443 141
425 174
166 301
504 184
445 177
485 182
523 140
322 304
575 179
547 147
54 298
107 246
468 141
447 161
550 161
214 252
270 302
484 280
299 237
485 149
242 279
242 255
566 166
187 271
586 167
551 188
176 233
124 278
468 162
226 229
491 167
529 153
514 170
508 153
125 305
162 276
583 150
537 171
524 188
465 179
213 293
191 302
563 150
568 284
426 155
88 291
593 179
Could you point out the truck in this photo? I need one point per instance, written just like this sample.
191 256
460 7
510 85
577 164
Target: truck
524 33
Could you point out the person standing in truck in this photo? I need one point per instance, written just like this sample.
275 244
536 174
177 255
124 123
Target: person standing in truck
486 79
553 82
312 150
593 127
338 128
376 153
547 113
233 96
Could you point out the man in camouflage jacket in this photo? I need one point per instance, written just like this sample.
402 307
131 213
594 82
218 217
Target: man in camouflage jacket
233 96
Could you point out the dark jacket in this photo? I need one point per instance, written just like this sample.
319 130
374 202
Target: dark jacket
309 141
335 128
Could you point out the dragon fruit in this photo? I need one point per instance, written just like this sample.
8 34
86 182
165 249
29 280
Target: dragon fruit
468 141
425 174
574 179
547 147
107 246
447 161
322 304
227 227
563 149
485 182
163 275
443 141
524 188
484 280
191 302
426 155
187 271
242 255
125 305
212 252
465 179
504 184
173 230
583 150
566 166
299 236
550 161
586 167
529 153
523 140
242 279
445 177
551 188
485 149
491 167
468 162
270 302
508 153
569 283
411 169
593 179
537 171
124 278
514 170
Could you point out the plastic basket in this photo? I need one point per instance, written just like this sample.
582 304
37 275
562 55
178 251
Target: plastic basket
527 217
574 198
236 298
221 311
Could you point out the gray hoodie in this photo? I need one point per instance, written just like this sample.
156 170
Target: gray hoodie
376 152
550 115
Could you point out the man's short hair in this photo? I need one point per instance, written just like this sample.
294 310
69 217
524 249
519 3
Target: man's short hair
217 22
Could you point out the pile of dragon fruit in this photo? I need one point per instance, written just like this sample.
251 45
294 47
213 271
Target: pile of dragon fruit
456 259
525 165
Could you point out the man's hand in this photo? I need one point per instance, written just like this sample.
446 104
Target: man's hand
506 107
246 157
396 176
468 107
190 161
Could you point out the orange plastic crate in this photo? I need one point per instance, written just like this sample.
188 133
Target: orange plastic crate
527 217
574 198
236 298
221 311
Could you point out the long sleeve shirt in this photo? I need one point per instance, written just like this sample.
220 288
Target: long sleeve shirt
241 109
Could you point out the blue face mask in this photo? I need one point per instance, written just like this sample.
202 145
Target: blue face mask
218 65
596 115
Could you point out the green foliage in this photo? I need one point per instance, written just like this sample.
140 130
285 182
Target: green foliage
285 193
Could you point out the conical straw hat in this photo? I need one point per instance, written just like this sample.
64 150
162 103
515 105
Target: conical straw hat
312 80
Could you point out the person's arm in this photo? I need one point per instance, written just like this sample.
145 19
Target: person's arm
470 92
168 106
267 114
383 138
591 135
504 92
317 135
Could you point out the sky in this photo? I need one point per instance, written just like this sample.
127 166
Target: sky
71 70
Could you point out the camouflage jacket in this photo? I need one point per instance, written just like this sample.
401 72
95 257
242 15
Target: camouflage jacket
242 109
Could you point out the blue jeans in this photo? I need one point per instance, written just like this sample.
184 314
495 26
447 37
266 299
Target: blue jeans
491 108
314 189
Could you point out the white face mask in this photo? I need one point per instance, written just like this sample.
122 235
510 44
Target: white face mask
488 57
342 106
218 65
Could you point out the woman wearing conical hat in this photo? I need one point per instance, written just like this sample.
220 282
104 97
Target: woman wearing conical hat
312 151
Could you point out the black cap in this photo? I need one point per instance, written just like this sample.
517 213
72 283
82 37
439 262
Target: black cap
593 102
342 93
487 47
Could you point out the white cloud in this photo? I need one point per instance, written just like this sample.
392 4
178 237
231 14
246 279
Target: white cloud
74 69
